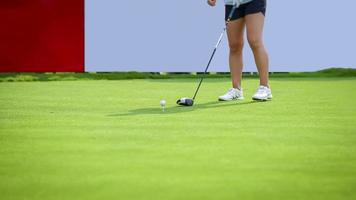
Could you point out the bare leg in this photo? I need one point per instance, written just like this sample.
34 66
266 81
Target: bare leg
254 24
235 33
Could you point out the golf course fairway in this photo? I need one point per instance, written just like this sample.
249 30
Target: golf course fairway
111 140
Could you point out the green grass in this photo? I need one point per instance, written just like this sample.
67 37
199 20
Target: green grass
110 140
29 77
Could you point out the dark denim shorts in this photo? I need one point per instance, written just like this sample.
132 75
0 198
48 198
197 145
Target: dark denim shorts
253 7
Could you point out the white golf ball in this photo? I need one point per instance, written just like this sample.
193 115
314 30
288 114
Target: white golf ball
163 103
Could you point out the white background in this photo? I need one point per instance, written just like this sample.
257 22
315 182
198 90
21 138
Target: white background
179 35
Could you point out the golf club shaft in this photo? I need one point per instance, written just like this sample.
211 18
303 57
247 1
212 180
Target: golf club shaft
214 51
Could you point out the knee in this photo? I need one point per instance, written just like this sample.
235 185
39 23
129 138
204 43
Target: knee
236 47
255 42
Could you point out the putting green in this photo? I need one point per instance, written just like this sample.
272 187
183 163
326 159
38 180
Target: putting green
110 140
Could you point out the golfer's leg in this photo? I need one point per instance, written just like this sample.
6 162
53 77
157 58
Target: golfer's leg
235 33
254 24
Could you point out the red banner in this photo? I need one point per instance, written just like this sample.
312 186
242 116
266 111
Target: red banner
41 35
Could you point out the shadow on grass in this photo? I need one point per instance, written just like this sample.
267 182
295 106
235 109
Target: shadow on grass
182 109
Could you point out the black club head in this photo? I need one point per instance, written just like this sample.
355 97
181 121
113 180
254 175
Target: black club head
185 102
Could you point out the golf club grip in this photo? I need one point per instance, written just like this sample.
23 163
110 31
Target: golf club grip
226 23
231 14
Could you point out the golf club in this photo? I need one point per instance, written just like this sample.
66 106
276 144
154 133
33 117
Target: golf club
188 101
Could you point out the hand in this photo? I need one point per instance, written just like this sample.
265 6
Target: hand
212 2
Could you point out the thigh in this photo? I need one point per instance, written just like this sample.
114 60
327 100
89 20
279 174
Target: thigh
235 32
255 25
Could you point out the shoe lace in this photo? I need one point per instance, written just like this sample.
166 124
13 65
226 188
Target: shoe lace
261 89
231 92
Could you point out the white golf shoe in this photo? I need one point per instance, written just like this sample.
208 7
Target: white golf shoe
263 94
232 94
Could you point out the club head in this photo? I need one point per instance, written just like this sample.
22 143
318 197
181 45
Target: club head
185 102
